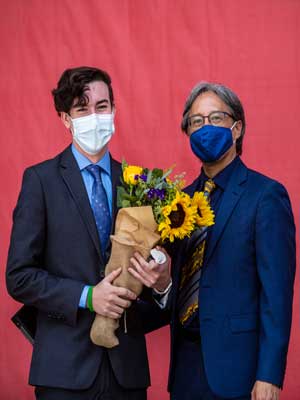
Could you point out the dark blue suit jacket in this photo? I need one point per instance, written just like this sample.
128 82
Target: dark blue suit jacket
54 252
246 288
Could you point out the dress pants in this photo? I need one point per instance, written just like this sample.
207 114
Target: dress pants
190 382
105 387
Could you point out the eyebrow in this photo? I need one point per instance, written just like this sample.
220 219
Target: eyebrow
100 102
202 115
104 101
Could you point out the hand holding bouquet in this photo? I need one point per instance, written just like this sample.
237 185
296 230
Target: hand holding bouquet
153 209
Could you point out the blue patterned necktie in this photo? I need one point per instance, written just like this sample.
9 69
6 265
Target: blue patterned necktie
100 206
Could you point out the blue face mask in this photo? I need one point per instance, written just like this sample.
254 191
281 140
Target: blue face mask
210 142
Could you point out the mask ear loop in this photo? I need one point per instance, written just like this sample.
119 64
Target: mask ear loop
233 125
234 141
70 119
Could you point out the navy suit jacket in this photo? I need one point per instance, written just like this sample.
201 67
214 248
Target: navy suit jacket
54 252
246 287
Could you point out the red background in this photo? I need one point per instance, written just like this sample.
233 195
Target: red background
155 51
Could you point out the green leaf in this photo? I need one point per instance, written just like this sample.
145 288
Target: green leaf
125 203
139 192
159 185
124 164
167 173
121 193
122 181
157 173
149 176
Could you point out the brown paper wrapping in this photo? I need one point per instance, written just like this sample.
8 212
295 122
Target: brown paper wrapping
135 230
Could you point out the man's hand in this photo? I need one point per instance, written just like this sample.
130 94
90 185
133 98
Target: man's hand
265 391
151 274
109 300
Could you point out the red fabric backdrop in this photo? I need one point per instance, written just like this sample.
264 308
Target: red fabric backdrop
155 51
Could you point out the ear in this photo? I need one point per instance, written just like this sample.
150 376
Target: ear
237 130
66 119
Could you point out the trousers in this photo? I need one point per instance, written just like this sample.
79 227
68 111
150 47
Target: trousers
105 387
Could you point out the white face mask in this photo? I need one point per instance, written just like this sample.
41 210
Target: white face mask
93 132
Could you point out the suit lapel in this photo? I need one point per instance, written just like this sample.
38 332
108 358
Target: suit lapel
73 179
231 197
116 171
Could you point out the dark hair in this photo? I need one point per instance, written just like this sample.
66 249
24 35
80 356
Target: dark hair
227 96
73 84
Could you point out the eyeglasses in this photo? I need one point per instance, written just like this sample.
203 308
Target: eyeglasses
215 118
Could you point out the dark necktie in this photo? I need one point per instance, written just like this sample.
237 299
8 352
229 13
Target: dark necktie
191 273
100 206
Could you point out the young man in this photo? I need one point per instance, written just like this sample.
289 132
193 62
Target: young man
232 307
60 246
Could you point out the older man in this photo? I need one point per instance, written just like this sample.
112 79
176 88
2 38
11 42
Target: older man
232 284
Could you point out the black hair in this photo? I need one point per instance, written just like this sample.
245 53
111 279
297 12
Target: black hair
73 84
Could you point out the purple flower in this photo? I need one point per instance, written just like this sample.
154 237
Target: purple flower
161 193
151 193
143 177
156 193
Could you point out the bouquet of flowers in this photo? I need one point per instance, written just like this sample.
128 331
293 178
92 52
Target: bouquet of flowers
153 209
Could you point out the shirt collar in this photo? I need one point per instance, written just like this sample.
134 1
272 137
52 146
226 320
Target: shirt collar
222 178
83 161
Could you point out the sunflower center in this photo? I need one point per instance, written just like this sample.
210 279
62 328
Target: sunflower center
177 217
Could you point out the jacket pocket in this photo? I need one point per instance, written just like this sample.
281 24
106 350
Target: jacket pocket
244 323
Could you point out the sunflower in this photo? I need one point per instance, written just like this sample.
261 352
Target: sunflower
178 218
205 215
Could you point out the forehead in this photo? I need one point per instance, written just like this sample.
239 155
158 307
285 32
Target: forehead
207 102
95 92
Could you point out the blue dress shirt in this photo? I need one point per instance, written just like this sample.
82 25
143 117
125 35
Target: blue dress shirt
88 180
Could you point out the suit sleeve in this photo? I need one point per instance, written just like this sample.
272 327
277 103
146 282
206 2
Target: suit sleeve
152 316
276 262
27 278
